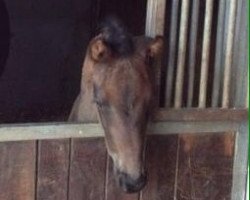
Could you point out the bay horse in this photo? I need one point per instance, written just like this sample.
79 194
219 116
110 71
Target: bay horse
118 82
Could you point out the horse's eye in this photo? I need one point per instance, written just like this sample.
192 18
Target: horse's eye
97 101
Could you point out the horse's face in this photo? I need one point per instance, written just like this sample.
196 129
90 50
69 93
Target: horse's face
122 91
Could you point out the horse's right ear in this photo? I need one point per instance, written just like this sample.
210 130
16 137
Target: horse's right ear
98 50
155 48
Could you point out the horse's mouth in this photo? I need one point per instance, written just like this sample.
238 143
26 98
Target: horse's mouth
129 184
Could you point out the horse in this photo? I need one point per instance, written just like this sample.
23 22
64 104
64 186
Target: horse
117 87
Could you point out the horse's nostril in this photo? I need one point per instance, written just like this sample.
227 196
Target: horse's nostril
130 185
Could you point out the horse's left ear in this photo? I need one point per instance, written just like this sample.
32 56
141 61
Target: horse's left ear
155 48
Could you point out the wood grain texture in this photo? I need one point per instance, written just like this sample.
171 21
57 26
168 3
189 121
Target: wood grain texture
196 114
161 164
52 170
204 170
87 170
17 170
113 191
193 117
240 163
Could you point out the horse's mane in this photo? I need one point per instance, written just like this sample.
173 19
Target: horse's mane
116 36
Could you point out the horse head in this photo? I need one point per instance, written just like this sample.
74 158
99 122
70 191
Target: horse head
119 74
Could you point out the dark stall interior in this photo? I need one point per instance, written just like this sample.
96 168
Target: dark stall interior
42 49
43 46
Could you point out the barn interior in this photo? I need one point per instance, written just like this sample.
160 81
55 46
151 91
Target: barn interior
42 47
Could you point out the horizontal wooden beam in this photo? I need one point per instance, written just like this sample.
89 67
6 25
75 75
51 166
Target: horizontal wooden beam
167 121
37 131
197 114
166 128
40 131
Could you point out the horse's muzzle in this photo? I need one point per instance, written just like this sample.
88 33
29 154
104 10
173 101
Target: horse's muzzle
130 185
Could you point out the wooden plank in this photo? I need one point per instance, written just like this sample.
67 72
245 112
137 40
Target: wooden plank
52 170
113 191
241 86
87 169
240 163
161 165
172 117
210 114
33 131
17 170
165 128
205 171
154 128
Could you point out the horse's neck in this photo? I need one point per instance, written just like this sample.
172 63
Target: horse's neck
87 107
84 109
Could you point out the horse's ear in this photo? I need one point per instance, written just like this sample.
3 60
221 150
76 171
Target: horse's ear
155 48
98 50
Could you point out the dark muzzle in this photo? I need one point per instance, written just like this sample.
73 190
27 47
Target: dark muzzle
130 185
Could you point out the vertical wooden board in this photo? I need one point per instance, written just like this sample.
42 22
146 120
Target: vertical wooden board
113 191
17 170
240 162
87 170
161 164
52 169
205 168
